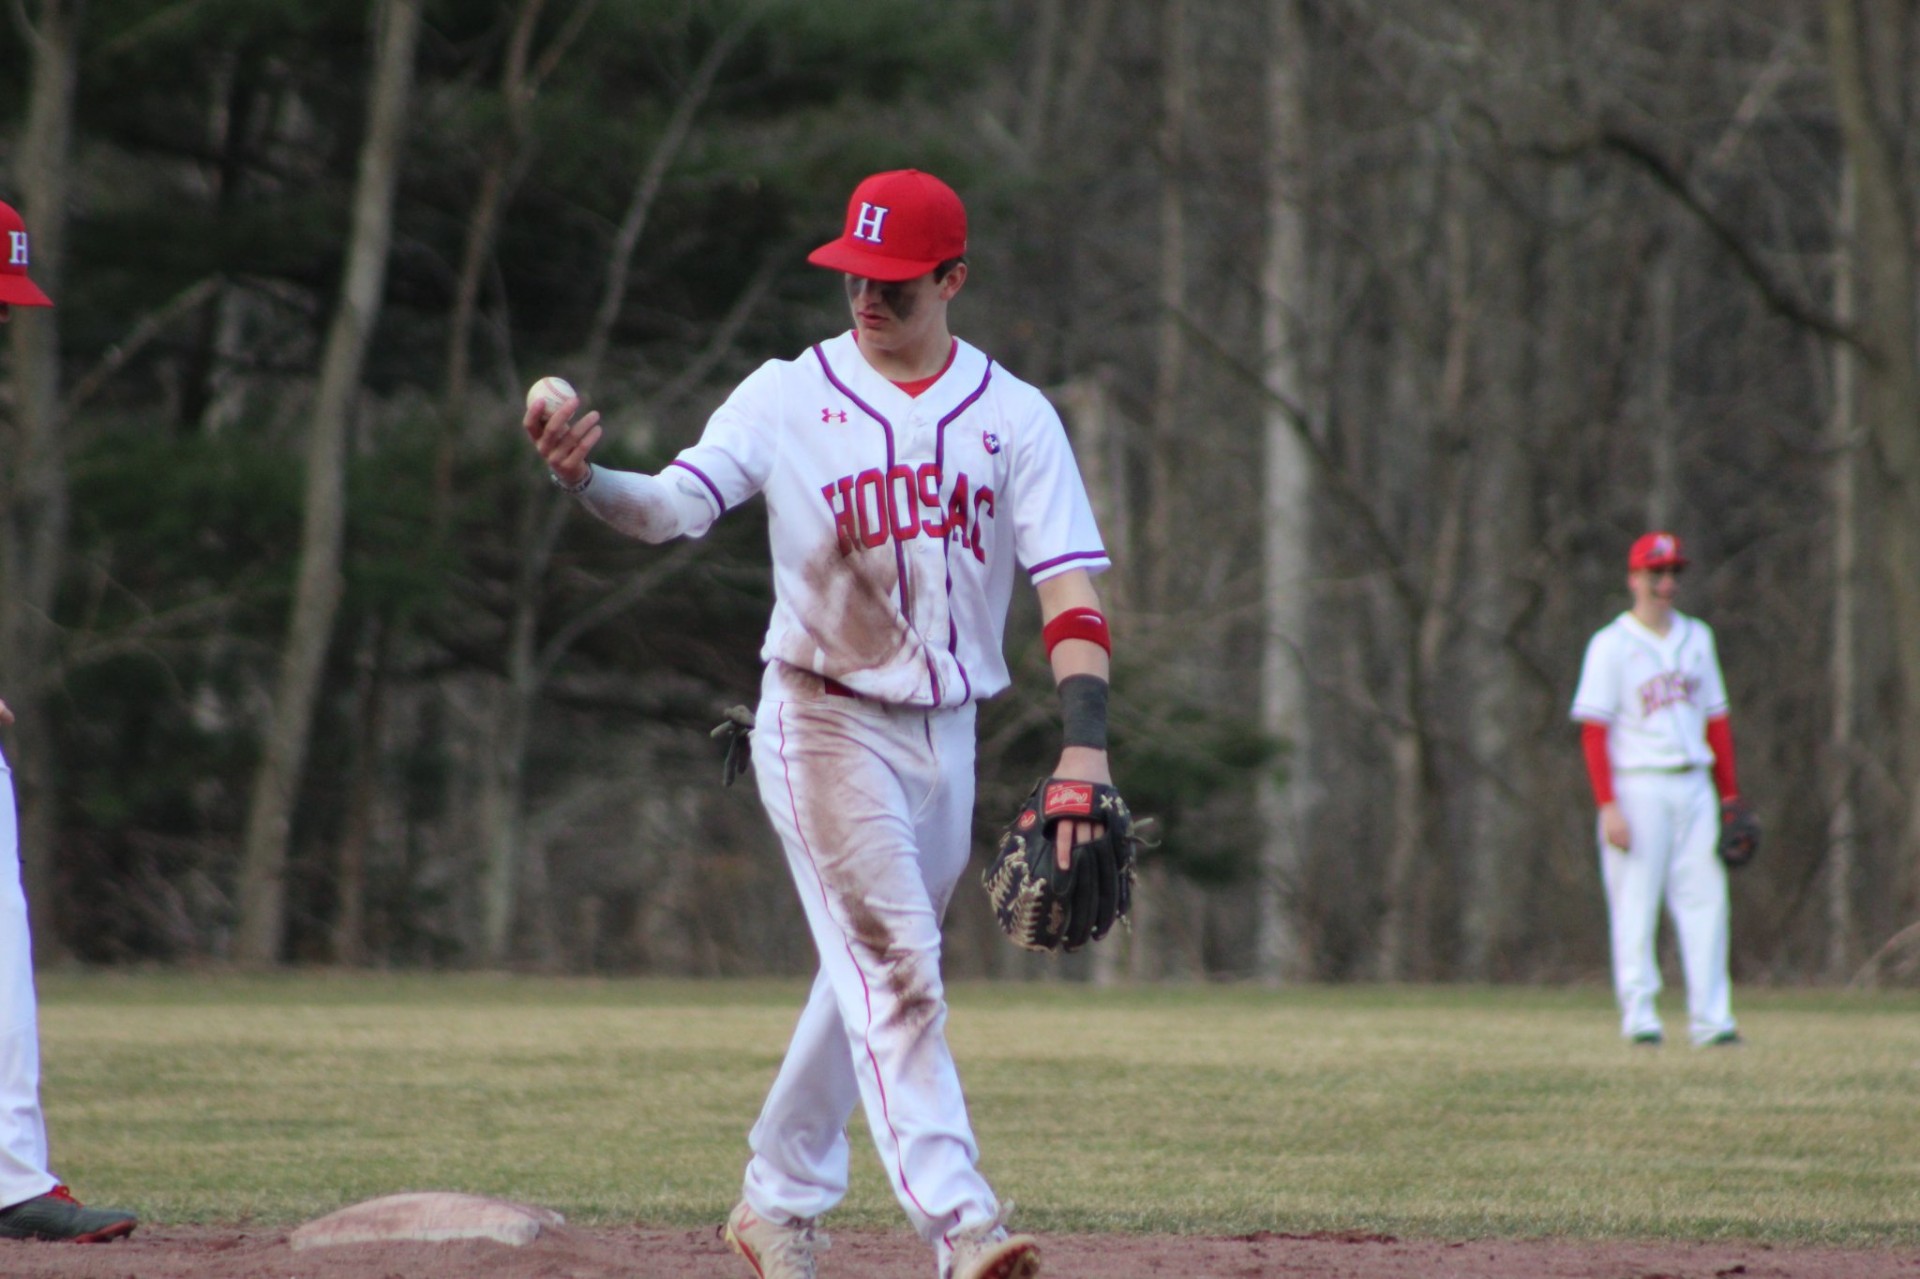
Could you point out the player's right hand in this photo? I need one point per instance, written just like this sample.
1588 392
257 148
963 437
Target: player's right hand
6 715
1614 827
563 443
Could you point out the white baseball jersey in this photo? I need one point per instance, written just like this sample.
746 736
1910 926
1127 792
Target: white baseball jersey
896 521
1655 693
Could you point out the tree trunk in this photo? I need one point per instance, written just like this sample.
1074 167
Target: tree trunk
1504 795
317 590
363 796
1170 354
1843 939
503 796
1889 378
33 481
1287 556
1406 929
1663 449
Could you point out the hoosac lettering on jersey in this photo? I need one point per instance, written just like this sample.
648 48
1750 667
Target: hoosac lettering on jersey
903 502
1669 688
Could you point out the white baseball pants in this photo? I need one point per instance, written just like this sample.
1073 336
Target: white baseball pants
23 1129
874 805
1673 823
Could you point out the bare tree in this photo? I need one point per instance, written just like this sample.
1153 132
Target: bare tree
514 875
1286 498
1843 936
1889 378
262 895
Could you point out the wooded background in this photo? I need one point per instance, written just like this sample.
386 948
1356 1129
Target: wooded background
1381 328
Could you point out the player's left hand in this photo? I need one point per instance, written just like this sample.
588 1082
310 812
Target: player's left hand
1042 904
1739 833
6 715
1079 764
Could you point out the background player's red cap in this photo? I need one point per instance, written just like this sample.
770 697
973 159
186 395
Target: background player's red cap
15 288
900 225
1656 550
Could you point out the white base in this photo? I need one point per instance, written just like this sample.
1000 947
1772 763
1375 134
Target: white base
429 1217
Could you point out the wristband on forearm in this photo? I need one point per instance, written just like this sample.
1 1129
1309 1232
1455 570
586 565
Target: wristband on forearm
1083 711
1088 624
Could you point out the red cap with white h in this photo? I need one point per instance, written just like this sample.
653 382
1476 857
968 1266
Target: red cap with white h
1656 550
15 288
900 225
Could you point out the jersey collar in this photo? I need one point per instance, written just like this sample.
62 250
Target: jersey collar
961 379
1675 633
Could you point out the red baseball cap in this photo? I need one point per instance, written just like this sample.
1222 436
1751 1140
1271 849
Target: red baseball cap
1656 550
900 225
15 288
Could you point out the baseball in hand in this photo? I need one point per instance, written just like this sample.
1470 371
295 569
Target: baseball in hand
554 391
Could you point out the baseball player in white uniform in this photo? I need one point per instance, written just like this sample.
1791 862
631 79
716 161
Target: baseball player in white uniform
33 1203
1658 743
906 477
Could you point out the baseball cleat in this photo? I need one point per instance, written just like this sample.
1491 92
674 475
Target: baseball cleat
775 1251
57 1215
1648 1039
989 1252
1726 1039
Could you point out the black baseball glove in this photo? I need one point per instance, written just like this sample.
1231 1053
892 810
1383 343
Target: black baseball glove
737 732
1042 907
1739 834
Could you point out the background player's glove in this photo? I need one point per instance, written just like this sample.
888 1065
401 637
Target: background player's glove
735 731
1042 907
1739 833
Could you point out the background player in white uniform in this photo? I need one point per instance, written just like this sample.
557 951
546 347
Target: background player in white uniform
33 1203
1658 743
907 476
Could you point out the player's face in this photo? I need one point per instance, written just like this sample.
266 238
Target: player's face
1654 588
897 314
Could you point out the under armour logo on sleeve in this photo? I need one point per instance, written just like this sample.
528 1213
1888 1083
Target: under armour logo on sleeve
832 415
17 254
867 226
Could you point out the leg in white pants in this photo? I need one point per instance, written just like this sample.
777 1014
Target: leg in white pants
23 1129
1673 823
1697 900
1634 878
874 806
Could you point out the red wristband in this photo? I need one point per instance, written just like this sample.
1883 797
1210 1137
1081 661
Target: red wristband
1077 623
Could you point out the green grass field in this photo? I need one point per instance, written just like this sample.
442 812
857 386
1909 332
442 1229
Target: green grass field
1428 1112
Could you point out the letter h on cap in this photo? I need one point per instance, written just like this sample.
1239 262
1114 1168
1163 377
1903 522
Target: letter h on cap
868 227
17 255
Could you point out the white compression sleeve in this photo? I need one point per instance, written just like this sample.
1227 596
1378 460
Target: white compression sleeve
652 508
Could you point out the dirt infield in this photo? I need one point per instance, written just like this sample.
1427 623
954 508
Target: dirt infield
211 1252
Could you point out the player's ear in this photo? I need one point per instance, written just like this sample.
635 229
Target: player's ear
950 283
